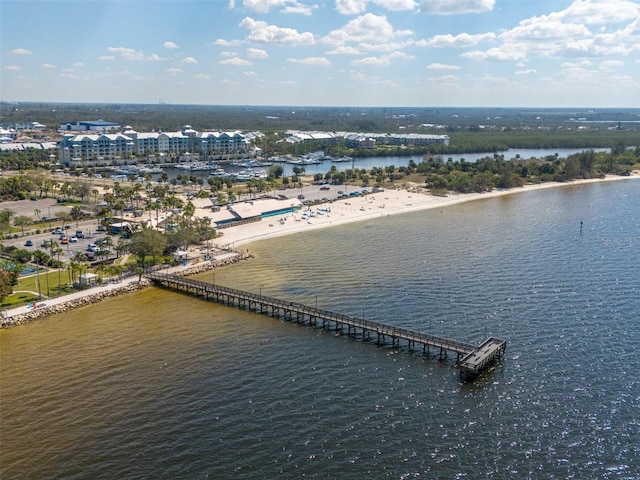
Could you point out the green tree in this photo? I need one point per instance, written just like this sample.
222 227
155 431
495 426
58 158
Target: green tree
76 214
145 243
5 220
22 221
6 284
276 170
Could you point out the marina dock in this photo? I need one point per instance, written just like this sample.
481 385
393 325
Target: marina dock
471 359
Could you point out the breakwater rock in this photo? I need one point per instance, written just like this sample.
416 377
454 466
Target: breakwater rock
77 301
206 266
91 296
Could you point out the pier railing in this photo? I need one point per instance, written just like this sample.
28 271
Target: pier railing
472 359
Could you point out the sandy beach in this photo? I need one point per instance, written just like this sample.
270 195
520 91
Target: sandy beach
388 202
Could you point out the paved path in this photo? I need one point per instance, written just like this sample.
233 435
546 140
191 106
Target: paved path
106 286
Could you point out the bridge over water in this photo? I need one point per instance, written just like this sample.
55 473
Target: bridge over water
470 359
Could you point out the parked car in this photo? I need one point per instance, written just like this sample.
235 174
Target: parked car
73 239
64 240
92 247
101 228
28 243
58 231
325 188
103 204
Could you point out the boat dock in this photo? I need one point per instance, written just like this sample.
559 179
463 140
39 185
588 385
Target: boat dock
471 359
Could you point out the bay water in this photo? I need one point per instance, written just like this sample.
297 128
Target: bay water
158 385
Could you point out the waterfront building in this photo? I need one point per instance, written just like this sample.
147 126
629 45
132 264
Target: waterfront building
356 140
363 140
122 147
93 126
95 149
221 143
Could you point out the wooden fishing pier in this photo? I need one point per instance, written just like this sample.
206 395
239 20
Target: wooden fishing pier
471 359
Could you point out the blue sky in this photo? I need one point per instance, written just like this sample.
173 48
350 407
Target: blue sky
502 53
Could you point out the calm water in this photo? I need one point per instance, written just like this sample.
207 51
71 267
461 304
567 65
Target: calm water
159 385
368 163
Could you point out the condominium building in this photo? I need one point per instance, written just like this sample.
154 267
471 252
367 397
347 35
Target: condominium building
95 149
123 147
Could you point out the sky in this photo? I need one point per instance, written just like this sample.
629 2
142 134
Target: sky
421 53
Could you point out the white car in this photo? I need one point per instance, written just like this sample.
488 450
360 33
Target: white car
103 204
73 239
93 247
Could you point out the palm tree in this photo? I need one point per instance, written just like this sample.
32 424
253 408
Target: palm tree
41 258
76 214
107 244
58 251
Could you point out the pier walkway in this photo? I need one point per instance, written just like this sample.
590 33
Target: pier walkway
471 359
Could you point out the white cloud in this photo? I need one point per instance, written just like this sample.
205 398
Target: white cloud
598 12
442 66
12 68
344 50
201 76
262 32
127 53
529 71
250 73
21 51
169 45
460 40
264 6
371 61
566 33
189 60
310 61
368 28
48 65
132 54
106 57
611 64
174 71
499 54
383 59
227 43
78 64
299 9
257 53
453 7
355 7
396 5
380 47
351 7
235 61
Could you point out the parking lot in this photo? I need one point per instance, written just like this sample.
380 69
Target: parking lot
69 248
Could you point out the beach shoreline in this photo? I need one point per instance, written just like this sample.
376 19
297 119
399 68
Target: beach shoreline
377 205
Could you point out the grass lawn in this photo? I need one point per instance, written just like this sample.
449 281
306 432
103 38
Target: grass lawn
28 287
